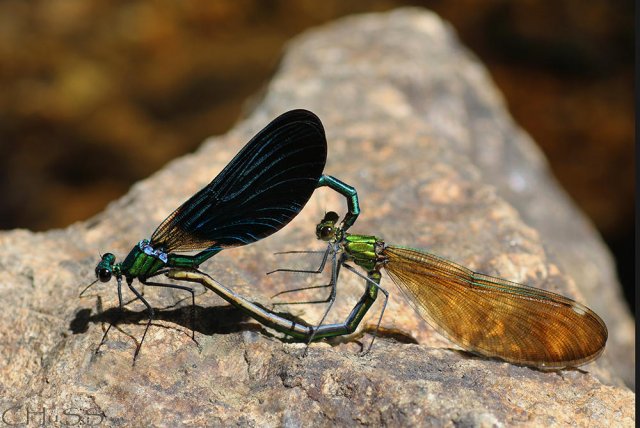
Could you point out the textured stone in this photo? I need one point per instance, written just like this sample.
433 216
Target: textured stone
417 127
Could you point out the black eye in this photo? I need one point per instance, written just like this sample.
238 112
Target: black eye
104 274
326 231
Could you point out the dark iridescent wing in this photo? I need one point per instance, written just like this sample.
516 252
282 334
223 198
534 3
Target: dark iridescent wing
257 193
494 317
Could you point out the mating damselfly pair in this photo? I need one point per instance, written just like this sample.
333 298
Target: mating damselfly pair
269 182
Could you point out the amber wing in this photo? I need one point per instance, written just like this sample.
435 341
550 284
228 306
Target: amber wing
497 318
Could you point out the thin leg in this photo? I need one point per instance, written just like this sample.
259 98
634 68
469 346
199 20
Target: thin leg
104 338
293 290
358 312
315 271
319 270
120 292
141 291
120 311
278 253
99 310
151 316
335 272
193 301
370 281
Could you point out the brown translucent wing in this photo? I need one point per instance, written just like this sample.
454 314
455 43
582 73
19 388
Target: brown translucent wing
497 318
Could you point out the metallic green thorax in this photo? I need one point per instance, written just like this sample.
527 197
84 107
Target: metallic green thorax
363 250
139 264
144 261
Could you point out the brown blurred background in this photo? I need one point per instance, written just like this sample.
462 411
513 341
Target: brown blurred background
99 94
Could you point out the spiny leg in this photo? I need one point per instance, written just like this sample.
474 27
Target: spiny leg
122 304
178 287
359 310
166 270
319 270
151 316
120 293
335 272
119 316
307 302
384 305
312 287
104 338
141 291
316 271
99 310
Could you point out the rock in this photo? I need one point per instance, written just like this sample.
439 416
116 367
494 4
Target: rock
418 128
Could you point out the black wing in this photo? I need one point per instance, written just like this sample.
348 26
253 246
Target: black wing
261 190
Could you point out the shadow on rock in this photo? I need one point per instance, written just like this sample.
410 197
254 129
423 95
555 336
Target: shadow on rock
208 320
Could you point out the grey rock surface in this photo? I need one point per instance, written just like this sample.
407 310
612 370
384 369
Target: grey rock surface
415 124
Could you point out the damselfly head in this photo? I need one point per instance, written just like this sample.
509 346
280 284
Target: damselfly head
326 229
104 268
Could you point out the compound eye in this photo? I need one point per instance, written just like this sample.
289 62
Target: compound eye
326 232
104 274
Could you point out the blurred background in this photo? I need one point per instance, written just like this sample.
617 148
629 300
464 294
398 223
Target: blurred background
99 94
